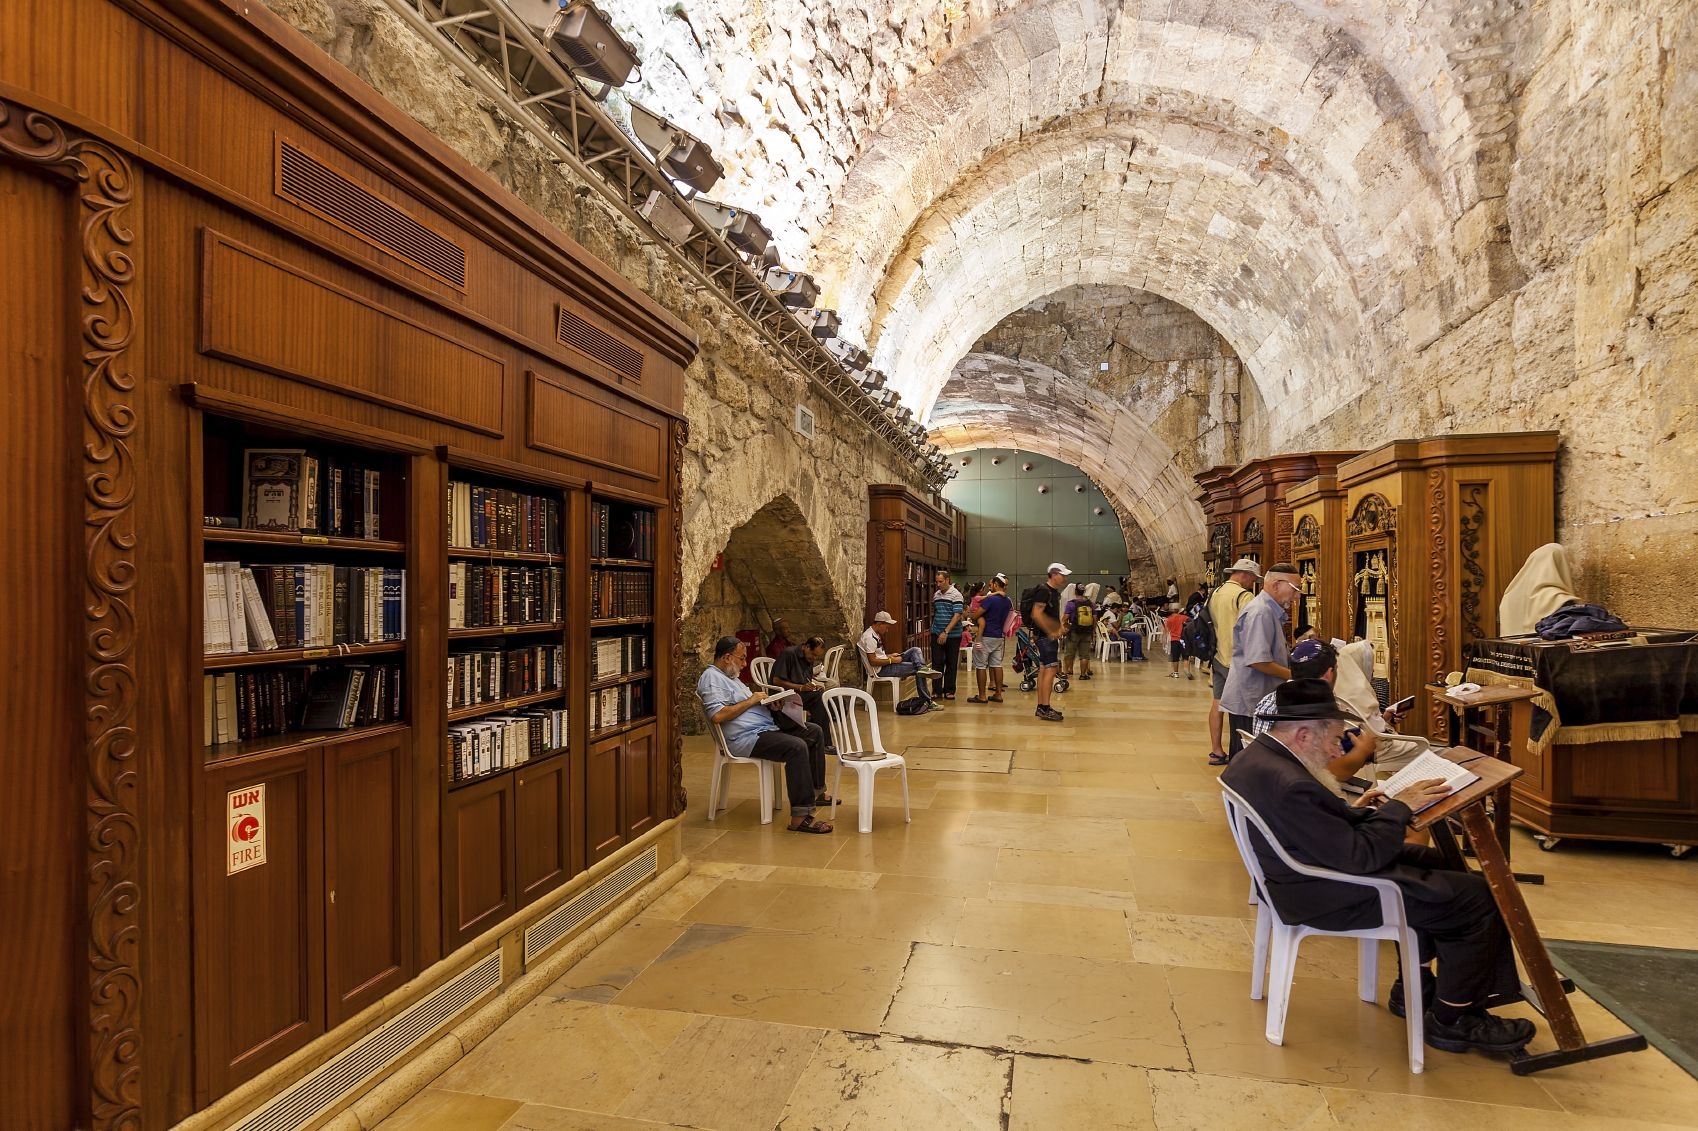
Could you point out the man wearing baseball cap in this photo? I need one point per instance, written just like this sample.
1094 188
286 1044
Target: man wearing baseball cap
882 664
1040 608
1278 776
1224 605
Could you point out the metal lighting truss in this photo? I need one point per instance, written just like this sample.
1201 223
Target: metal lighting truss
500 54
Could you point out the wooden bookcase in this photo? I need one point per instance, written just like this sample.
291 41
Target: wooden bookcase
908 540
174 306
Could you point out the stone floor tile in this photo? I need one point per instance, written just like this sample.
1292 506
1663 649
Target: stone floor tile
726 1074
1067 869
437 1109
862 1083
1050 1093
1032 928
1193 887
610 967
1424 1113
1193 1101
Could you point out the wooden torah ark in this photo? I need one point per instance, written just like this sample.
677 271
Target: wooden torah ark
218 240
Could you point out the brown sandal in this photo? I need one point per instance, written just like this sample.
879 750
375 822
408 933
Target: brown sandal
809 825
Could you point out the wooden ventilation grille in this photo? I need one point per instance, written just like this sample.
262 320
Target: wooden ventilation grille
304 180
599 344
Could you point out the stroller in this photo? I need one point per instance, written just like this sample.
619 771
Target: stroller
1026 661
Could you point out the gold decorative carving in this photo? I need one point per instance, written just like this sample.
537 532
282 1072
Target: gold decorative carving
1471 534
105 184
1253 530
1374 514
1307 536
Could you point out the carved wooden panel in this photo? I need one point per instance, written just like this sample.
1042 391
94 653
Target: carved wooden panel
679 798
1438 589
1473 543
584 424
359 347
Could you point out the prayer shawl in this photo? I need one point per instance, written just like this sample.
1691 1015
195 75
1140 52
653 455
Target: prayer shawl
1354 691
1543 586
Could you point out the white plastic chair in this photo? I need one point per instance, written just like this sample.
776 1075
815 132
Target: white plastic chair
1277 942
760 670
719 785
842 705
1108 641
874 679
828 666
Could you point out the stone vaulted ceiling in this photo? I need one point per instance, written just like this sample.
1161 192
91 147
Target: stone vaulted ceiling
1322 182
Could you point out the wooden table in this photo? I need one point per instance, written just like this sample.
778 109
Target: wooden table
1503 718
1544 987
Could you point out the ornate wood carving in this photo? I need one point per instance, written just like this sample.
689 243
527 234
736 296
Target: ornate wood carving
1307 536
1253 530
1438 587
105 186
1373 515
1470 536
1220 542
1282 534
675 739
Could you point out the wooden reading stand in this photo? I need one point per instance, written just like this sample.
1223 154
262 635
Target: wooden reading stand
1545 988
1503 718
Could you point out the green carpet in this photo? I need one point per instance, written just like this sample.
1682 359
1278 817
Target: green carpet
1653 990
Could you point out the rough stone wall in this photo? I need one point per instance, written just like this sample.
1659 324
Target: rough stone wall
1600 341
1166 407
739 396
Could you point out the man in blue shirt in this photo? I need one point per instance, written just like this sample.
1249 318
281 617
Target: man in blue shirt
948 622
752 732
1259 654
992 615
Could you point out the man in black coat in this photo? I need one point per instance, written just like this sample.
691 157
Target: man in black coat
1452 911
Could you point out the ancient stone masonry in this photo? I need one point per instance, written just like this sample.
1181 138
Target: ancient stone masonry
743 453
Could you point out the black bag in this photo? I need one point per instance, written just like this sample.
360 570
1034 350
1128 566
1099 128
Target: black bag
1199 635
913 705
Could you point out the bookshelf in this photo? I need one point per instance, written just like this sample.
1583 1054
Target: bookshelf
909 538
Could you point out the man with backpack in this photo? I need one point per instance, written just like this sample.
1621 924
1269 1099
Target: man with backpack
1219 615
994 615
1080 618
1040 606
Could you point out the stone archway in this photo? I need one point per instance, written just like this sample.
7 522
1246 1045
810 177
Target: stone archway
771 567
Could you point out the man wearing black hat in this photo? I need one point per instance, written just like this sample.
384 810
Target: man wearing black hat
1453 912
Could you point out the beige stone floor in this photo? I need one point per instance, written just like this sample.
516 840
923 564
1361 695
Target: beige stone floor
1062 944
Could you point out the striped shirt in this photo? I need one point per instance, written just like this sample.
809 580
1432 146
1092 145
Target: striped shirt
944 606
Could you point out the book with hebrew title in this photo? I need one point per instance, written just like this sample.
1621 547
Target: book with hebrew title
1424 768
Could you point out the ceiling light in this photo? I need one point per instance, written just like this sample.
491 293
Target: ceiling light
680 155
796 291
824 324
668 219
738 227
581 37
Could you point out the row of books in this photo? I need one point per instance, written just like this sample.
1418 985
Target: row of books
310 605
612 706
495 518
490 596
621 532
294 490
500 742
239 706
619 655
621 593
489 676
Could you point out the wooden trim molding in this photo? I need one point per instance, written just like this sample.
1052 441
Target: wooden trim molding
675 740
1438 590
105 184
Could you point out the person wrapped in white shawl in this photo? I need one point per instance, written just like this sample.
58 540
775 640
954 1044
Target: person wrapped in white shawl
1354 691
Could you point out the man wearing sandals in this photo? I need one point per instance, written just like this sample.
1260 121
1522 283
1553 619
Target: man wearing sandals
993 614
752 732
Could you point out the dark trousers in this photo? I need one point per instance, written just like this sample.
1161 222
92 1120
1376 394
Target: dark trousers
946 658
1458 923
813 736
813 702
776 746
1240 725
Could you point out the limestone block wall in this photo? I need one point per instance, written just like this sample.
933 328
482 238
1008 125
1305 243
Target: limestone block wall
740 397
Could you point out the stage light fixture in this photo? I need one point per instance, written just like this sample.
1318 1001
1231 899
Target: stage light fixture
824 324
668 219
738 227
796 291
582 39
680 155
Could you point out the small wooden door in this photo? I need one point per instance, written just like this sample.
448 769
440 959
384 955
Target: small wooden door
541 808
639 784
477 876
367 873
603 827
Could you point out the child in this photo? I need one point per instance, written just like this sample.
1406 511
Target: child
1175 623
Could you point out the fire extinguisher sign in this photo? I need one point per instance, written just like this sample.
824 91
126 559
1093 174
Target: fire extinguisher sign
245 827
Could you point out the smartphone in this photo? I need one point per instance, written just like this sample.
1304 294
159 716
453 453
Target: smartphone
1402 705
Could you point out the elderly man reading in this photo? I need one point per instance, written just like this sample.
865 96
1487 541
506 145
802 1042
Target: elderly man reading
1452 911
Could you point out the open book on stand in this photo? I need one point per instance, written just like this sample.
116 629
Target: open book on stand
1424 768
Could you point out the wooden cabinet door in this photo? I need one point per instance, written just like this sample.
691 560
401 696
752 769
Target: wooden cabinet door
541 826
603 829
638 784
259 932
477 871
368 874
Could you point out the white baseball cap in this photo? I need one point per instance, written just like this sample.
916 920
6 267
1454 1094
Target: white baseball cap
1057 567
882 617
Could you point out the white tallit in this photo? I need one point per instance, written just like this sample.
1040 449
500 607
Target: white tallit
1543 586
1355 693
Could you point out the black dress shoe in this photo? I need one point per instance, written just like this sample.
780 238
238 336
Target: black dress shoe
1479 1031
1429 988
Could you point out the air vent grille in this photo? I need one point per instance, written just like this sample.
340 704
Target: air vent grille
306 181
313 1095
599 344
578 910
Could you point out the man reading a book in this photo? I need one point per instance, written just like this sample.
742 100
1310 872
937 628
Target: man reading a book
751 731
1452 911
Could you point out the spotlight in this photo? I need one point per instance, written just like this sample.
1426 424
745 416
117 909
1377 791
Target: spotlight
797 291
873 379
1025 467
1079 488
680 155
581 37
1096 510
1043 488
739 227
824 324
667 218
